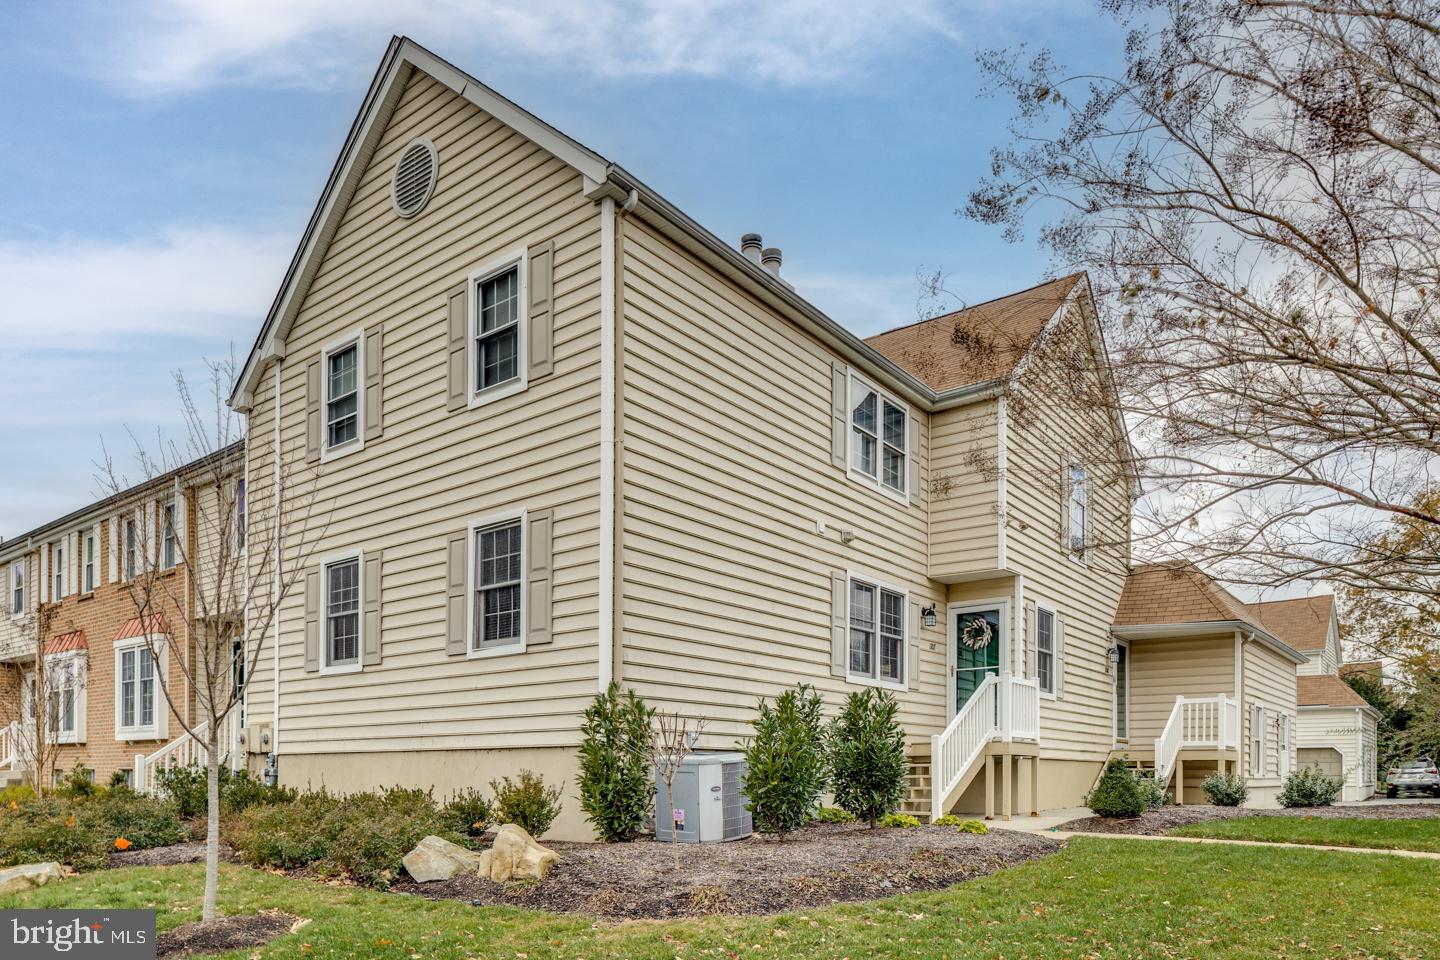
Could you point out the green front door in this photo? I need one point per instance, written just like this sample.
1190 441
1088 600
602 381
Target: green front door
977 651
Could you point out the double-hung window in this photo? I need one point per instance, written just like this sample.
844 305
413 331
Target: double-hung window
57 561
137 693
342 395
64 682
17 589
878 443
877 632
169 542
499 588
1045 649
132 548
341 584
1077 508
497 329
1257 740
91 559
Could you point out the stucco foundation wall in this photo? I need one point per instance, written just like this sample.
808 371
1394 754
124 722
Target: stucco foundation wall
1063 783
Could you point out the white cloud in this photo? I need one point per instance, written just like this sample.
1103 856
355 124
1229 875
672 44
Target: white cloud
183 45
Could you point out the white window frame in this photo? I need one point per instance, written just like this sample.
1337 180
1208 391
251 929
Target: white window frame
518 259
864 479
77 691
1087 486
90 561
1041 608
354 338
472 574
1284 735
131 555
878 584
156 644
17 586
1257 740
1115 699
169 536
326 667
59 580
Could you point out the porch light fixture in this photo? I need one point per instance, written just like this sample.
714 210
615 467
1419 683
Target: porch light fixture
929 614
1113 655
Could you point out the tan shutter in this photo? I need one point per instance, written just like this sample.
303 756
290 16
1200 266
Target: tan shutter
112 574
538 559
371 655
374 364
44 573
541 278
917 486
182 526
457 553
839 623
312 411
312 621
1059 658
912 655
458 323
1032 641
839 403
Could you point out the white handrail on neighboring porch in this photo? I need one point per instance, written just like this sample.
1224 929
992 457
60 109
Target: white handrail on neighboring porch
10 745
186 750
1196 722
1002 707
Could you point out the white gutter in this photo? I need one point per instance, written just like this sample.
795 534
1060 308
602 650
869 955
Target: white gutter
605 631
275 597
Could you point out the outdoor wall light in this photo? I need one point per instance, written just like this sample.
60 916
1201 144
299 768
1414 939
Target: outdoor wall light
929 614
1113 655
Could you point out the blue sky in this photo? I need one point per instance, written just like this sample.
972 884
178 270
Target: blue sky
161 160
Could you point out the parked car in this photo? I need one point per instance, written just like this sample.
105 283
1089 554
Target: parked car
1415 776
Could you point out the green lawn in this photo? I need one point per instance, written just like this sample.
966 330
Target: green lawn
1111 898
1380 834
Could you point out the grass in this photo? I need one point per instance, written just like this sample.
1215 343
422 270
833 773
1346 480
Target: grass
1096 898
1423 834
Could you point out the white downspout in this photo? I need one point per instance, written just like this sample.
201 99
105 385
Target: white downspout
1002 427
275 596
606 636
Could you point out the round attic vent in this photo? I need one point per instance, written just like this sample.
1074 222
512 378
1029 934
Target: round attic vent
414 178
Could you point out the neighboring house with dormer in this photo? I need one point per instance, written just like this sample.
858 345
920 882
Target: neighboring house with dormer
1338 728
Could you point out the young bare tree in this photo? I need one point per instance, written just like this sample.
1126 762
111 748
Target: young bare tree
43 697
673 738
213 598
1256 197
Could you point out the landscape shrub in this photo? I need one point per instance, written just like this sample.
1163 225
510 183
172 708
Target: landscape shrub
1225 789
82 830
867 755
1308 787
118 778
185 787
79 782
1117 795
1151 791
363 836
785 761
617 783
526 802
901 820
973 826
12 797
468 812
834 815
949 820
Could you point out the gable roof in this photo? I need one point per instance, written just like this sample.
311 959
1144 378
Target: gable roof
979 343
1373 668
1302 622
1326 690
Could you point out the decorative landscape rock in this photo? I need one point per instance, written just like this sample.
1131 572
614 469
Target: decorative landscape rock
516 856
435 858
28 875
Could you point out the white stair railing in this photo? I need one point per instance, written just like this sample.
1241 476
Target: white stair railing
10 746
1167 745
1196 722
1023 698
952 752
186 750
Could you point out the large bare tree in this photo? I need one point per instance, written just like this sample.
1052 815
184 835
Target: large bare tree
224 584
1256 196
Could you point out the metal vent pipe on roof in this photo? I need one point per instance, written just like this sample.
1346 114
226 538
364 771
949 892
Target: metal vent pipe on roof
750 246
770 260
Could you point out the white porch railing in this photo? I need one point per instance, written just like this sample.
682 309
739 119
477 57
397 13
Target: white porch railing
1001 708
186 750
1196 722
10 746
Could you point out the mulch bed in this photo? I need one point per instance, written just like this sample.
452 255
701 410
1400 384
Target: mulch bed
176 853
1159 822
224 933
819 865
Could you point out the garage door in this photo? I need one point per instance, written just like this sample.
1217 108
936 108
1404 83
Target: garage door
1326 758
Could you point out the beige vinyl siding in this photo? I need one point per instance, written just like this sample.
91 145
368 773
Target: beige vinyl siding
1322 662
432 472
1269 680
726 467
1163 669
964 485
17 635
1044 428
1347 731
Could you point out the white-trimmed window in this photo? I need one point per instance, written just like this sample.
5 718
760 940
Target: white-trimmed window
1257 740
499 317
1283 732
497 585
877 632
57 570
240 514
1077 508
138 702
64 696
1045 649
131 559
17 589
878 433
342 409
90 576
169 539
342 623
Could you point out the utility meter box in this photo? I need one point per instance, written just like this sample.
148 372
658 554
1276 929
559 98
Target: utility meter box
708 803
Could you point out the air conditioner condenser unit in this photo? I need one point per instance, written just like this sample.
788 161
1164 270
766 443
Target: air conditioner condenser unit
708 801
